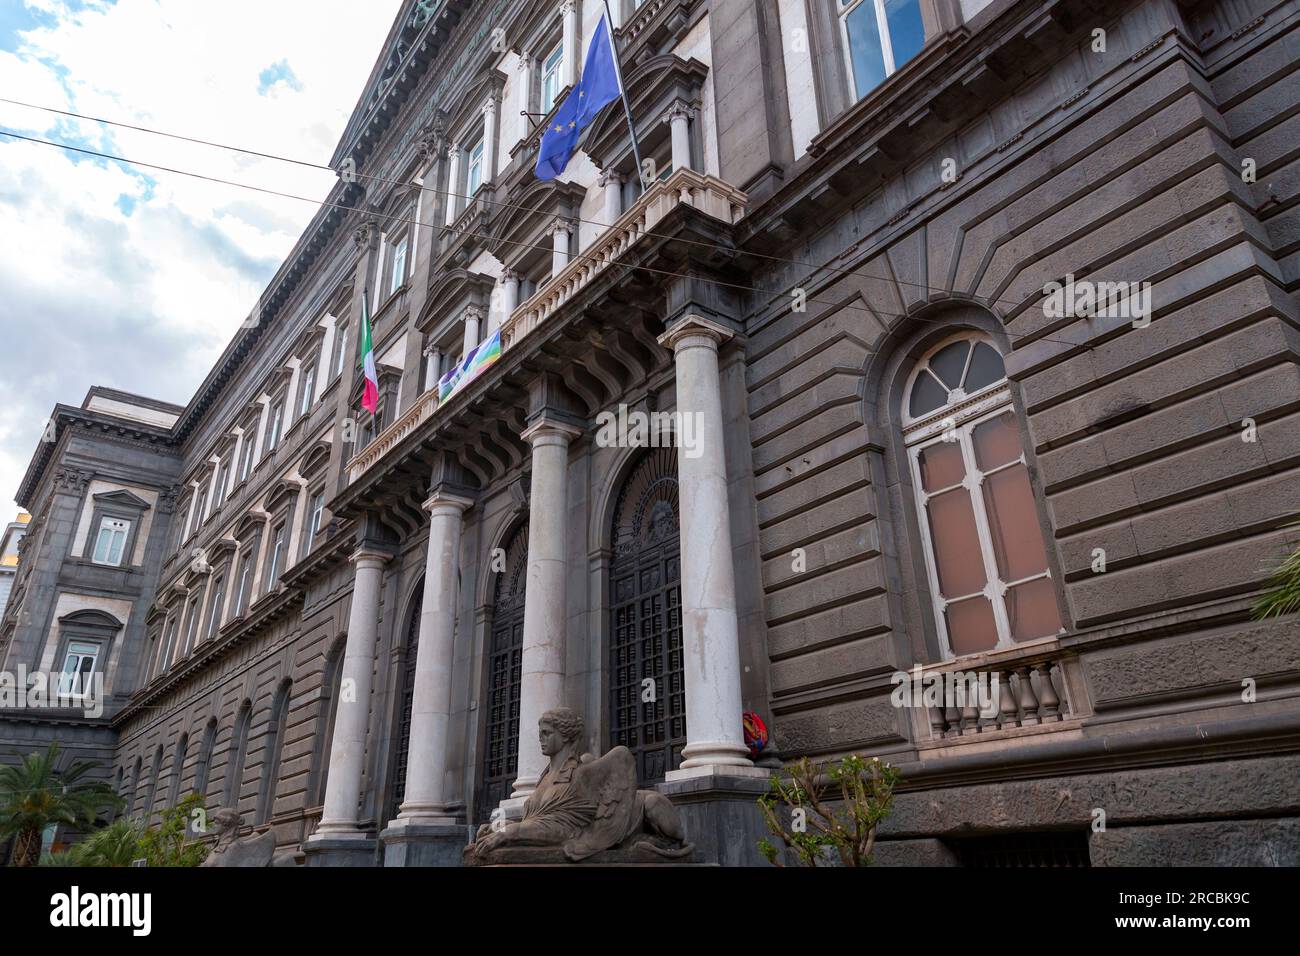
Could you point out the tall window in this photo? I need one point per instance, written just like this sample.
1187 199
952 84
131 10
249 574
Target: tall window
242 594
169 640
274 425
879 37
192 623
308 389
78 665
983 545
552 68
111 540
246 454
276 562
223 480
214 608
340 347
315 511
200 505
398 274
238 751
473 170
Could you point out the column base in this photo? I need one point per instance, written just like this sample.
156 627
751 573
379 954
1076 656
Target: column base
340 850
512 808
419 844
430 815
720 814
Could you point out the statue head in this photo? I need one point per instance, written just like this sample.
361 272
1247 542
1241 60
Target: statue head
559 728
227 820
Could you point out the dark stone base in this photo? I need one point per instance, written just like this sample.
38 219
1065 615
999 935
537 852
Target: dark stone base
340 851
1274 842
643 851
923 852
425 845
720 816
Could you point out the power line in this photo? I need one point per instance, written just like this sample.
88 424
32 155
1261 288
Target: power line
517 242
455 195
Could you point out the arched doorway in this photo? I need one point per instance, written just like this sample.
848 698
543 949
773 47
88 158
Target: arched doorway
504 663
405 702
647 707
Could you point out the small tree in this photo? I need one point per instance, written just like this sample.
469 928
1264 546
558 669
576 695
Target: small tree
164 845
33 794
1284 594
836 806
124 841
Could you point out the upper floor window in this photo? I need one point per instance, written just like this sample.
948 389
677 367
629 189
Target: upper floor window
308 389
244 584
474 168
110 542
879 37
275 561
982 540
247 451
192 615
78 665
397 273
552 71
340 347
223 479
275 425
200 505
214 608
315 511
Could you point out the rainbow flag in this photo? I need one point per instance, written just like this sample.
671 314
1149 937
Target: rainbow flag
487 352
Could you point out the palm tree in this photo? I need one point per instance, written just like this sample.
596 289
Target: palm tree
1284 595
33 794
117 844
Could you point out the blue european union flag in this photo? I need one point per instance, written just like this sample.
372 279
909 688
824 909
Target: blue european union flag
597 88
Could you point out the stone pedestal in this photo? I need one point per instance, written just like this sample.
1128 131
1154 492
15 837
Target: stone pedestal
416 844
720 816
340 851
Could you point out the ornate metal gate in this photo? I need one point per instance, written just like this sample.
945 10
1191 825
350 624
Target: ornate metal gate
405 699
504 667
647 694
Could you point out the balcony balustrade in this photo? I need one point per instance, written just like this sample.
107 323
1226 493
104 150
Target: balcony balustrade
685 187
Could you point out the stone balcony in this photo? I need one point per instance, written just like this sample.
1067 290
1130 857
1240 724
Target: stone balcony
705 194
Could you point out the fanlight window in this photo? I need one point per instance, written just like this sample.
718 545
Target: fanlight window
984 550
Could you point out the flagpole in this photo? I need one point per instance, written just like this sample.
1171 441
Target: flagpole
622 90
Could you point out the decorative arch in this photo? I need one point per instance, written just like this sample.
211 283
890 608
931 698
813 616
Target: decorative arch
647 694
503 665
272 748
325 714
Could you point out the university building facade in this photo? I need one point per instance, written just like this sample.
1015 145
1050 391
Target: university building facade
888 456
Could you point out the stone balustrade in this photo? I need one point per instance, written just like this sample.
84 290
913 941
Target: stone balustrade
708 194
1027 690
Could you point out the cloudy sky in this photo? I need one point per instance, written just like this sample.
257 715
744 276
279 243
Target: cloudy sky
115 275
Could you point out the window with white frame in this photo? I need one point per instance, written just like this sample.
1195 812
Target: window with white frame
315 511
552 73
223 479
275 425
879 37
983 544
78 666
248 450
244 587
110 541
397 267
275 561
192 614
308 389
474 167
340 347
214 607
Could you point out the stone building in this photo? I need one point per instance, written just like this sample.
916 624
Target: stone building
861 282
10 540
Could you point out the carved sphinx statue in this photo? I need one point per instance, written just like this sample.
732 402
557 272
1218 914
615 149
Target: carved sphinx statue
584 808
229 850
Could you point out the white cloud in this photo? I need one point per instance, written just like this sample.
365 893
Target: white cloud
137 279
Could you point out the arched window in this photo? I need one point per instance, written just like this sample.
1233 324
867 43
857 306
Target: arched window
272 748
504 662
153 782
982 540
204 768
178 766
327 709
238 750
135 785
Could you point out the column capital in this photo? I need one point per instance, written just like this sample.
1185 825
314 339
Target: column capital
369 555
510 275
679 110
562 225
442 501
610 175
431 349
695 330
473 312
549 430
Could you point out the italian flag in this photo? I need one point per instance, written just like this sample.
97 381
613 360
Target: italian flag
370 397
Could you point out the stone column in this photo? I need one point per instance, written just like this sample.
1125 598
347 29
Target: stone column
611 180
473 315
679 118
542 678
490 139
453 184
426 798
510 293
347 749
433 368
715 740
569 72
560 233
